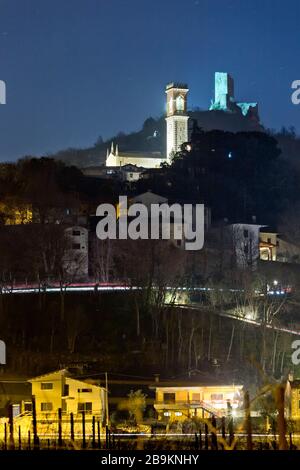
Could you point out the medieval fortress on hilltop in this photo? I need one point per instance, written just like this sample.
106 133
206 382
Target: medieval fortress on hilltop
177 122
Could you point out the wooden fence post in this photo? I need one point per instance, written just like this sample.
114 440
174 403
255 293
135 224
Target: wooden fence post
29 441
196 441
206 437
83 431
291 446
223 427
5 436
214 441
20 438
11 427
34 425
94 432
59 427
230 423
106 437
99 435
248 420
72 426
281 424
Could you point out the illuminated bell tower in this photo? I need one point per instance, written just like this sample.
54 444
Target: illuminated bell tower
177 118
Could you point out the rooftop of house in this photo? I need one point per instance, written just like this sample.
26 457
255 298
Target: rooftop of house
137 154
196 378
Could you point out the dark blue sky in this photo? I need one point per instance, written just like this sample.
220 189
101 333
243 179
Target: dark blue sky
76 69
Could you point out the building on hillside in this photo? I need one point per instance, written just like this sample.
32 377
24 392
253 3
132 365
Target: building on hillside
173 219
13 212
176 134
245 242
148 198
131 173
76 258
268 245
196 397
273 246
60 390
292 398
128 173
224 98
114 158
176 118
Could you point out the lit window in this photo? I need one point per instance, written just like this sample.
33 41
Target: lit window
178 413
169 397
167 413
216 396
46 406
179 103
27 406
86 407
46 386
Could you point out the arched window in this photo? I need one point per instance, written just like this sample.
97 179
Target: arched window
180 103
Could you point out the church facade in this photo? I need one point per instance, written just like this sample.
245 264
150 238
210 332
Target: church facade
176 134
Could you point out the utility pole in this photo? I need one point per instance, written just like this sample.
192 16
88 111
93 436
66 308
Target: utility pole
106 400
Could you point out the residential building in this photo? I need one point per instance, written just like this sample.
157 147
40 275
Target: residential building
274 246
292 398
185 399
76 259
268 245
245 241
60 390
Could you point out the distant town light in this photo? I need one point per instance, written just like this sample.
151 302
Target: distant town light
275 283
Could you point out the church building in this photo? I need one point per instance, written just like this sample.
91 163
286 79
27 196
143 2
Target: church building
176 134
177 122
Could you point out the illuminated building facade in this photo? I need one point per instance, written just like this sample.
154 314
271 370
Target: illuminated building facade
176 118
59 390
225 101
182 401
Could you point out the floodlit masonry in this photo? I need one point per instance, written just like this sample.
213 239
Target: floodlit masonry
2 352
165 222
2 92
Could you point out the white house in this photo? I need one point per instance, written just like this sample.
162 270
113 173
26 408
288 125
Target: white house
76 254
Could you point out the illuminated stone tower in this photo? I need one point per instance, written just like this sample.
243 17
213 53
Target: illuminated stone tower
177 118
224 91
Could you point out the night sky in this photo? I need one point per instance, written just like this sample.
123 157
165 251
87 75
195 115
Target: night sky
77 69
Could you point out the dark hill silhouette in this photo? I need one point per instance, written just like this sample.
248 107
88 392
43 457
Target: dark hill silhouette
151 138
